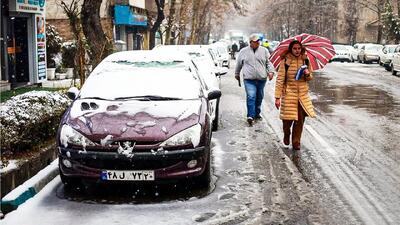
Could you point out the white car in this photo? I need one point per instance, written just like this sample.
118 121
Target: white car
342 54
369 53
357 49
204 63
386 56
395 64
222 53
351 51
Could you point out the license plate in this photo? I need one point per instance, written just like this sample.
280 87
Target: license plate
131 175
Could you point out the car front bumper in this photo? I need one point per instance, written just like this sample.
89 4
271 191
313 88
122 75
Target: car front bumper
165 164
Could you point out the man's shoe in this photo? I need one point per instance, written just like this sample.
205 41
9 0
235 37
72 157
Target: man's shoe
250 121
258 118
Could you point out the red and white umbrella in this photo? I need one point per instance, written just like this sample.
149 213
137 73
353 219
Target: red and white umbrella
319 50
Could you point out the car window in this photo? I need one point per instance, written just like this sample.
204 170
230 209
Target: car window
391 49
122 79
202 82
373 48
339 47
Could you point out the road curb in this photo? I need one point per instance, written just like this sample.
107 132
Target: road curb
29 188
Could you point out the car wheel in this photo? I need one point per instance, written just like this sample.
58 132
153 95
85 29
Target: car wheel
394 72
215 122
69 181
205 178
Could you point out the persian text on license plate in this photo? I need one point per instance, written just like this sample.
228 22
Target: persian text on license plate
135 175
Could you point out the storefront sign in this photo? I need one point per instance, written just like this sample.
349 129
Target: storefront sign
124 15
29 6
40 47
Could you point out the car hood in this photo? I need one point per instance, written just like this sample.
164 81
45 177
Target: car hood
141 121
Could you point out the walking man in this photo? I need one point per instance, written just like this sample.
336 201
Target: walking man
254 63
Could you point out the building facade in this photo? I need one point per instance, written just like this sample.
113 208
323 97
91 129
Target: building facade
23 42
123 21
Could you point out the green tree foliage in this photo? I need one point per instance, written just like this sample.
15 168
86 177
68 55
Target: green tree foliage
391 23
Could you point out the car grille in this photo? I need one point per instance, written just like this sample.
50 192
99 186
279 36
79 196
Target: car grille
115 164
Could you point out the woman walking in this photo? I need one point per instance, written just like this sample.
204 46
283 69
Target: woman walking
291 95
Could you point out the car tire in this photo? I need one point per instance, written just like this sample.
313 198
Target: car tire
205 178
215 122
394 72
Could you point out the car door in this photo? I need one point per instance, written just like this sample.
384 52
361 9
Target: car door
396 58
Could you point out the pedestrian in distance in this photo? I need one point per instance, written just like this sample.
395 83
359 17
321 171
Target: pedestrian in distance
291 93
253 62
234 49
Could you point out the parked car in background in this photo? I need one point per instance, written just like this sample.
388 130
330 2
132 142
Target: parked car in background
395 64
342 54
351 50
369 53
386 56
140 116
222 53
357 49
207 69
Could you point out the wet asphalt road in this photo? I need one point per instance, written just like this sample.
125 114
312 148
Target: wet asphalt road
347 172
350 152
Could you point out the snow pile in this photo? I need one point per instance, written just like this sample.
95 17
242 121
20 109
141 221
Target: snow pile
27 119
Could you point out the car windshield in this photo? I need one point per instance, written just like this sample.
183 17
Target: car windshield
391 49
340 47
142 80
373 48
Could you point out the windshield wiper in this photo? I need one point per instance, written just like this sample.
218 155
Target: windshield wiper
148 98
98 98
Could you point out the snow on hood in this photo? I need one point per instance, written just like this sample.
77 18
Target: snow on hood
139 120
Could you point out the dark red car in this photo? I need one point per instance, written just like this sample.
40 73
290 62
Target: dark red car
140 116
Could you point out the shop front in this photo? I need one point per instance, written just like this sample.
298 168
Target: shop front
130 26
23 46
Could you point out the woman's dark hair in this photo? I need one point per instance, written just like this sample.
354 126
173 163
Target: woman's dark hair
296 42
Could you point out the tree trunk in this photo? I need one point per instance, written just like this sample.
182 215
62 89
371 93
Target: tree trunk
99 44
195 13
72 12
160 17
171 20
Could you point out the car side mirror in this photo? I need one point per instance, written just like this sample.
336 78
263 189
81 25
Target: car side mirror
222 71
72 93
214 94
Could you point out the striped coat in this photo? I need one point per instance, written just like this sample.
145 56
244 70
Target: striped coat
293 91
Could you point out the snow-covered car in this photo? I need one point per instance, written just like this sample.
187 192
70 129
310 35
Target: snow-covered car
222 53
351 50
140 116
210 73
369 53
357 49
395 64
386 56
342 54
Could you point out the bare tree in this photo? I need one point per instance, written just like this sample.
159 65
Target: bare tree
156 26
171 21
351 18
72 10
100 45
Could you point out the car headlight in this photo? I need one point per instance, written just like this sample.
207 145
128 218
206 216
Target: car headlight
70 136
185 137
